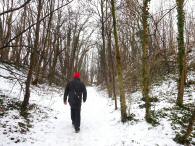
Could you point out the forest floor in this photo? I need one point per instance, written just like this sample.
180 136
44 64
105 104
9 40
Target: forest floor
48 121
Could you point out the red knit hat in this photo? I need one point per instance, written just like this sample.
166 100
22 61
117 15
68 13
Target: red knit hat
77 75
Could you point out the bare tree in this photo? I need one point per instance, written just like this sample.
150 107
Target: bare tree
119 67
33 57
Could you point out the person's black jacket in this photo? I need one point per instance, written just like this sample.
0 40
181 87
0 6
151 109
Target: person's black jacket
76 91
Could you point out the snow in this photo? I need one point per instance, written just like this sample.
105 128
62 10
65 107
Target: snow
100 123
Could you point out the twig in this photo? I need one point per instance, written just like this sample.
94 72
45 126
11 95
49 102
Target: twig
14 9
7 44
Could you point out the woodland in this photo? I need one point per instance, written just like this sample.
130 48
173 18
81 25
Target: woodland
119 46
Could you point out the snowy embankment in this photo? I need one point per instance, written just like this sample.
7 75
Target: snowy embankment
100 123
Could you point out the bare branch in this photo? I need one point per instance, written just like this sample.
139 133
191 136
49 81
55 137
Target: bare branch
7 44
14 9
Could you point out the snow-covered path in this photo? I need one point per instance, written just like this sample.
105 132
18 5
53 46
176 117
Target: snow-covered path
100 124
96 125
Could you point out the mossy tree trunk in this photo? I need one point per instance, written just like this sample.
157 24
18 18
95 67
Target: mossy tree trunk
119 67
181 51
189 128
145 60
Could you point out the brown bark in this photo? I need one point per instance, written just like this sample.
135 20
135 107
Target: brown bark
181 52
189 128
119 67
32 60
145 61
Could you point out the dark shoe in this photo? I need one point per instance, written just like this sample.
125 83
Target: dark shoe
77 130
72 123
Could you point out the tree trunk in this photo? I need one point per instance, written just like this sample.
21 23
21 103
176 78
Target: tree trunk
104 62
119 67
56 46
181 51
190 127
32 60
145 60
5 52
67 50
54 61
112 63
23 26
1 32
75 43
42 63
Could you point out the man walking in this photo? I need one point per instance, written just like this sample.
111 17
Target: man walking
76 91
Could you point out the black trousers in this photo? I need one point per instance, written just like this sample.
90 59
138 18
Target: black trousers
76 117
